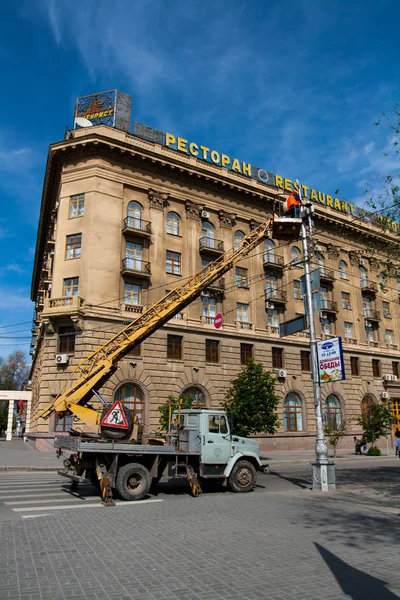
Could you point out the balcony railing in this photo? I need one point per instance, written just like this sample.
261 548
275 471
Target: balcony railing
368 286
275 296
137 267
329 306
273 261
326 275
244 325
218 287
272 330
206 320
133 308
138 226
371 314
351 340
211 245
63 305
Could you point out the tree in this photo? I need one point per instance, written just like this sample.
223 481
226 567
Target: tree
376 421
251 402
335 431
14 371
172 403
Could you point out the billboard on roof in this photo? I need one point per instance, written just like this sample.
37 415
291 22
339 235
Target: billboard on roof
112 108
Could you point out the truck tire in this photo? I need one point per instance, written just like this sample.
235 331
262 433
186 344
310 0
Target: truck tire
113 433
243 477
94 480
133 481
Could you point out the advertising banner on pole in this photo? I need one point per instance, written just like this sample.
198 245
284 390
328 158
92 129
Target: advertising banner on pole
330 360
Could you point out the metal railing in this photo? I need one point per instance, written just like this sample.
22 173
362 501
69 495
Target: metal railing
137 224
132 264
208 243
366 284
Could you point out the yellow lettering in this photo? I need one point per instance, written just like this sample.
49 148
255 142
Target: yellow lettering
169 139
236 166
321 198
313 195
205 151
296 186
336 204
225 160
182 145
351 206
288 184
345 208
394 226
193 149
215 157
278 181
329 201
246 169
305 190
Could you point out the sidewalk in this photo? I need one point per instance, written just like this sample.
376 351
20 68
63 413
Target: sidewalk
18 455
285 458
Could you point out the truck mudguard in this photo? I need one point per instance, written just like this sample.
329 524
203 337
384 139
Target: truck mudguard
241 456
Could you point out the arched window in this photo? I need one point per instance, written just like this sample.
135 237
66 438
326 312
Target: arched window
195 394
134 215
382 280
207 234
363 277
270 286
292 413
342 269
320 262
365 405
269 251
295 256
173 223
333 412
238 239
131 396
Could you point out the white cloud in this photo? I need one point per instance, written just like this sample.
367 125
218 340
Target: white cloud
14 267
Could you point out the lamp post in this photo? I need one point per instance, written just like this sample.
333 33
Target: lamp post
323 469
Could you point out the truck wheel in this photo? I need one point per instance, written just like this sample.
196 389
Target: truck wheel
133 481
243 477
94 480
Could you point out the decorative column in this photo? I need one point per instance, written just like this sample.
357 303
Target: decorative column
10 420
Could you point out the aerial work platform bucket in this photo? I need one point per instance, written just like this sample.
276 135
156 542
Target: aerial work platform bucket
286 228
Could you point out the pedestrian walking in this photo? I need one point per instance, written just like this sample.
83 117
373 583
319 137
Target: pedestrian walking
397 444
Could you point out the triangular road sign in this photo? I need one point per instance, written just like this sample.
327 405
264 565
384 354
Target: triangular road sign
115 417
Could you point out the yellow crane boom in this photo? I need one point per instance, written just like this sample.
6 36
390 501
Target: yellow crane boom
96 368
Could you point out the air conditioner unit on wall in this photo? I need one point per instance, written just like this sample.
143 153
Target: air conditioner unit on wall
389 377
205 214
281 373
61 359
385 395
318 248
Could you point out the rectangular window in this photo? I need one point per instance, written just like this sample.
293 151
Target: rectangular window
346 300
241 277
376 367
71 286
305 360
370 333
63 424
246 353
217 424
348 330
174 347
77 205
386 310
209 309
73 246
173 264
242 312
273 319
132 293
326 326
297 289
212 351
355 365
66 339
133 256
277 358
388 336
395 368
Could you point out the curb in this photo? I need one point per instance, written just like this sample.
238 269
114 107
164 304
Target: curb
5 468
277 462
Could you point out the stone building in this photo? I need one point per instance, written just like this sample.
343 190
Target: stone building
123 220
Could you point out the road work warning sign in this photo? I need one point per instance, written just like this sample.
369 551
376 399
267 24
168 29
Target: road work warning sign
115 417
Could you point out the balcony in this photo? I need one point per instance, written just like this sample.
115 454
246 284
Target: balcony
369 286
351 340
206 320
133 308
329 306
244 325
137 227
218 287
276 297
273 262
326 276
65 305
372 315
130 266
211 246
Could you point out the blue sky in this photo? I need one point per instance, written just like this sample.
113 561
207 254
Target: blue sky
293 86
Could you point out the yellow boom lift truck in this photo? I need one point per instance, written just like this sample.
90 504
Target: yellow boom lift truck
200 444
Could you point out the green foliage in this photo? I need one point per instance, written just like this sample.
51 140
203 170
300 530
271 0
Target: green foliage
251 402
373 451
13 371
187 402
334 431
376 421
3 416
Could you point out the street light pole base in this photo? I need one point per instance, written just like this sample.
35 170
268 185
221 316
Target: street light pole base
323 476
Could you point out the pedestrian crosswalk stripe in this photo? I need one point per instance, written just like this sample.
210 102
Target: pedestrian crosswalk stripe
89 505
43 501
36 516
62 493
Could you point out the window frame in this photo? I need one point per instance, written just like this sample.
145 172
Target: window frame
73 286
277 355
332 411
73 243
355 366
240 311
174 347
241 277
132 294
79 199
305 361
342 267
295 409
66 339
138 400
175 223
376 368
212 351
395 368
246 353
174 259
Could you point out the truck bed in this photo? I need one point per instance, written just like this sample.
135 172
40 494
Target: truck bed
81 444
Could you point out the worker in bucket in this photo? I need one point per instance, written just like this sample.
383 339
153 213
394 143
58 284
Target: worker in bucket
293 204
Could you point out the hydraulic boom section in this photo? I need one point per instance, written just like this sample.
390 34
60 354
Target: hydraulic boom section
92 372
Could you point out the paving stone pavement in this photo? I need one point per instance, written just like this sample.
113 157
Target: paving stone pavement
281 542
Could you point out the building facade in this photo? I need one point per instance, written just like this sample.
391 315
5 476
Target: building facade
124 220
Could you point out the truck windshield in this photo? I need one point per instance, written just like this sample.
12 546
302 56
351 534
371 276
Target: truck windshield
217 424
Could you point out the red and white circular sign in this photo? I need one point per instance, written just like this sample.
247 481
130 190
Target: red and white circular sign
218 321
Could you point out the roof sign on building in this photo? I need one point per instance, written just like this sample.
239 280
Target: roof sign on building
112 108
